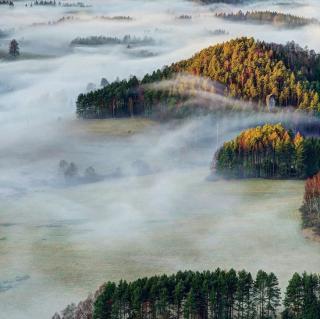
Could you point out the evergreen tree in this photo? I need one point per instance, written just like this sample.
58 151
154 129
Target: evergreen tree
294 298
273 296
103 304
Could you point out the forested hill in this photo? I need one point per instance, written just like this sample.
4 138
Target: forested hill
268 151
247 69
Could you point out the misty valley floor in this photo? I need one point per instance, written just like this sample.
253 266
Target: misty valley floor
59 242
140 226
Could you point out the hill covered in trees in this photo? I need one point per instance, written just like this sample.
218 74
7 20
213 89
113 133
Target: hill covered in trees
268 17
219 294
244 69
268 151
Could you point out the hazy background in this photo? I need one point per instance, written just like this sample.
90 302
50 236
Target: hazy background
59 241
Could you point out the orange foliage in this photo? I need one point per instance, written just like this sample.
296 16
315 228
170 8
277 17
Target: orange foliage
312 188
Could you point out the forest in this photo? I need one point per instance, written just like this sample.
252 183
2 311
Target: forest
216 294
268 151
310 209
273 17
102 40
243 68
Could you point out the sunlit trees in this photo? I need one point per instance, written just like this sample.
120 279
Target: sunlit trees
268 151
244 68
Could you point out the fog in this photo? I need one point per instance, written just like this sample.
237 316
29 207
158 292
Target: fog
152 211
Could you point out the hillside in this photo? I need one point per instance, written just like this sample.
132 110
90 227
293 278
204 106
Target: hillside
243 68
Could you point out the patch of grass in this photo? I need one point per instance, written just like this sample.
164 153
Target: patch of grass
113 127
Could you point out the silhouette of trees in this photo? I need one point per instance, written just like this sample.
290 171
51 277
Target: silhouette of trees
14 48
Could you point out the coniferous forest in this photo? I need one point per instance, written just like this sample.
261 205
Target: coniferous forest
243 68
205 295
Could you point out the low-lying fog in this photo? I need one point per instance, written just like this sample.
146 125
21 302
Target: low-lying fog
152 210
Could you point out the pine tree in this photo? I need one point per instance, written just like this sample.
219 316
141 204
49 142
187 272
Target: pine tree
103 304
244 305
260 294
273 296
294 297
189 308
178 297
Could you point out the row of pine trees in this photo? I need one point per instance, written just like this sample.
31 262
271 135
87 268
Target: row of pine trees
210 295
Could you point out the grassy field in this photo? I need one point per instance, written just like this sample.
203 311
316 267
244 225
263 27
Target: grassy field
71 240
111 127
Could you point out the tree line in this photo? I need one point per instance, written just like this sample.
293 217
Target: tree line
220 1
102 40
246 69
54 3
273 17
268 151
215 294
7 2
